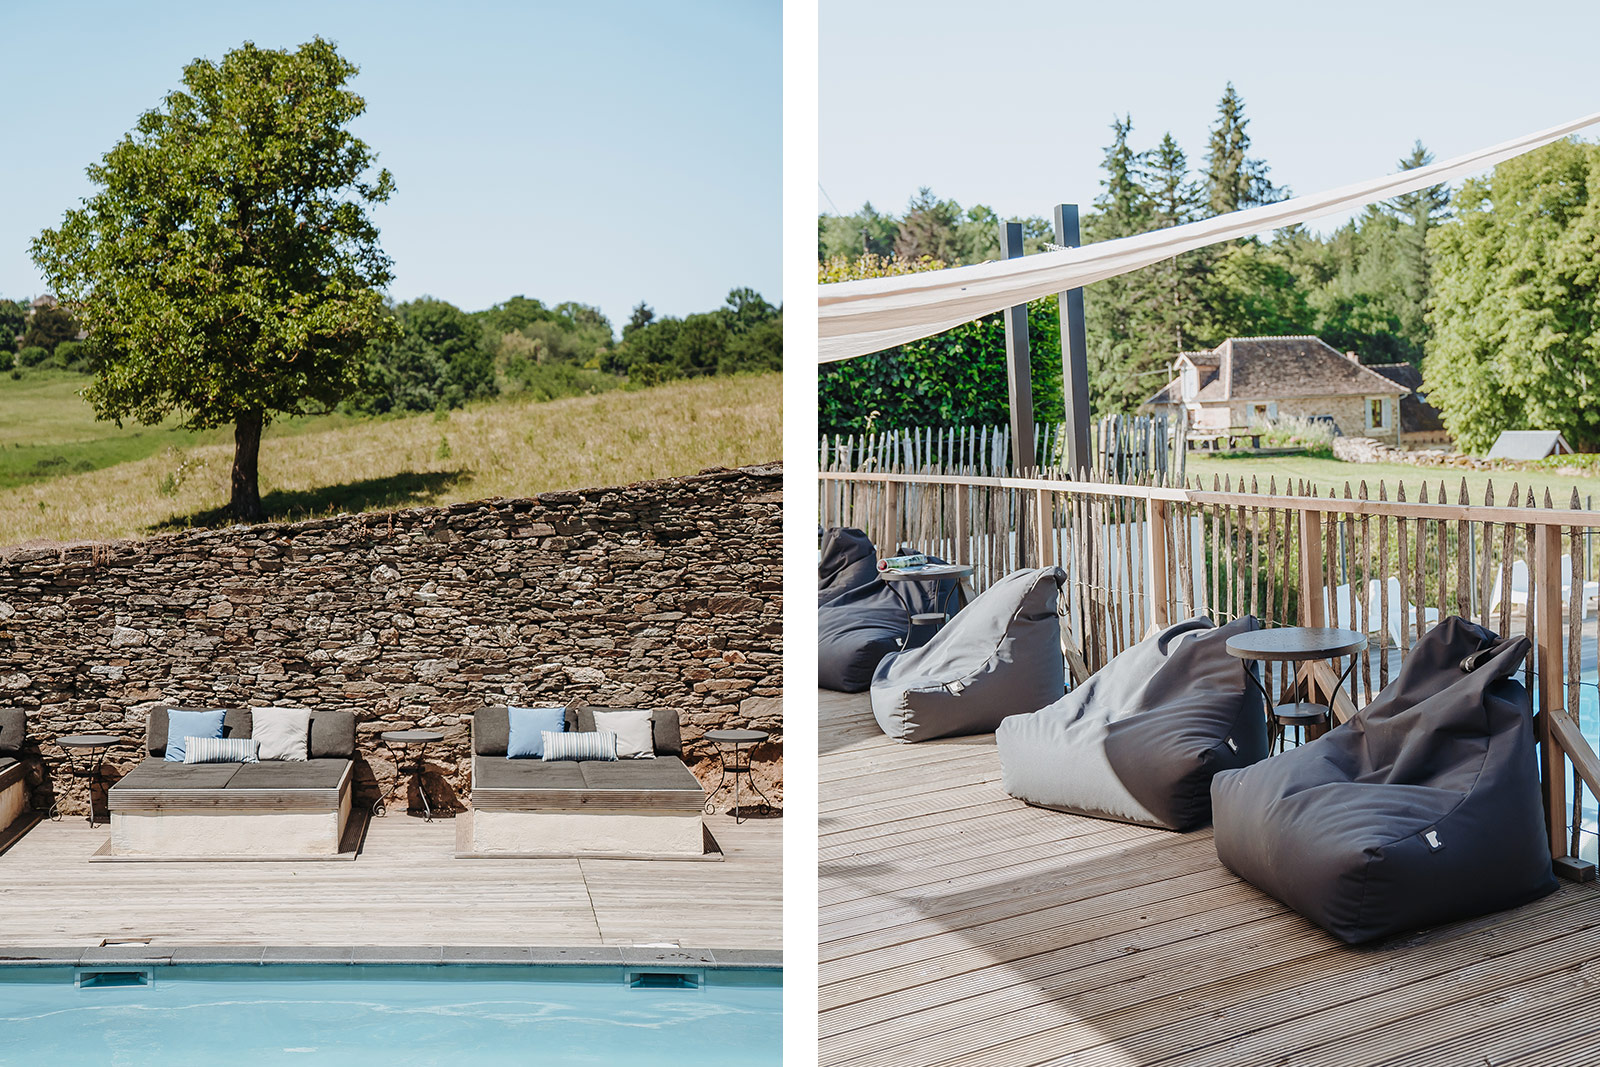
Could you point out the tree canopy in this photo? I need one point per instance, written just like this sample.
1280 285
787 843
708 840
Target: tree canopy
1516 301
227 269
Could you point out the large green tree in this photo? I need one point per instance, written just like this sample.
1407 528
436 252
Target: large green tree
1516 301
438 362
227 269
1233 179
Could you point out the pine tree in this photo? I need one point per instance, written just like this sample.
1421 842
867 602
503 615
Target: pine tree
1418 213
1174 199
1233 180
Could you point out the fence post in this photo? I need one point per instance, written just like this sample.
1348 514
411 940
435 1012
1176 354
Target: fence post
1547 608
1312 610
963 524
1156 522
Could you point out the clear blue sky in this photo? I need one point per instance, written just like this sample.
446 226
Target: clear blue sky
605 152
1009 102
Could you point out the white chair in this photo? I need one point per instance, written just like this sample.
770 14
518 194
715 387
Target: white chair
1520 583
1402 612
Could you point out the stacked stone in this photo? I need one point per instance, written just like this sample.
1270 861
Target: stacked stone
659 594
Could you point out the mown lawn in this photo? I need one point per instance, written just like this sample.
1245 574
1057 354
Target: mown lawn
1331 476
166 479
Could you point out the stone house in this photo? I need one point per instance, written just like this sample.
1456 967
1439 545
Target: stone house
1255 379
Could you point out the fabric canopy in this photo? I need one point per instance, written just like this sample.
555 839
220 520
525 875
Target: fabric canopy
859 317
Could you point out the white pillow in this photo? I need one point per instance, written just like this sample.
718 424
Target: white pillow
635 738
281 733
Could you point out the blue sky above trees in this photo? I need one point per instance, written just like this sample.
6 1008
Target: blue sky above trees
1009 103
602 153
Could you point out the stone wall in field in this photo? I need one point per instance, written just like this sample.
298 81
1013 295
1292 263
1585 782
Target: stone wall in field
663 593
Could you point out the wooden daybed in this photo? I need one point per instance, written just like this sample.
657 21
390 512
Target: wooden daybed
14 811
631 808
268 810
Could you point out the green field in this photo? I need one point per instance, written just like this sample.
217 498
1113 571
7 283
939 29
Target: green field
1331 476
65 477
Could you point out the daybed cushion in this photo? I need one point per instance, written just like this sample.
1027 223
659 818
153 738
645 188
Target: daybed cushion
526 727
860 619
632 730
1423 808
1000 656
663 774
493 773
663 728
156 773
220 750
333 735
1140 740
235 723
283 733
182 725
491 729
583 745
13 730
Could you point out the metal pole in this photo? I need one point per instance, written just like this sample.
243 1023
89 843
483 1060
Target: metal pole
1019 370
1074 354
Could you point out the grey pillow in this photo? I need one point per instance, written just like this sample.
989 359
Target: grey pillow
282 733
13 728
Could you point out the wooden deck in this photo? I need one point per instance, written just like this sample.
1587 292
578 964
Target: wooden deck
959 926
404 889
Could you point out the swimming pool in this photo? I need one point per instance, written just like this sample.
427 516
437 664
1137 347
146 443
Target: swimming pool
240 1016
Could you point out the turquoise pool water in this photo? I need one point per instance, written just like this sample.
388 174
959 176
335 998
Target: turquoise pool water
241 1016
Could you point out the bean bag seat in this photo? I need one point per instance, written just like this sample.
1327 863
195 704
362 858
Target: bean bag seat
860 620
1001 655
1423 808
1140 740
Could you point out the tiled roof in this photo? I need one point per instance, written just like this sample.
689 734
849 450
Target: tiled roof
1416 414
1276 368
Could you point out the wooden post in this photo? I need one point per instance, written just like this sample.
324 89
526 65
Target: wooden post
1074 354
1156 521
1312 610
963 524
1019 368
1044 528
1547 606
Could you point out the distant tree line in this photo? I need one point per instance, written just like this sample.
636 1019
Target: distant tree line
443 357
1365 287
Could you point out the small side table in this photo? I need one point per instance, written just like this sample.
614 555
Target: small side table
412 745
86 757
735 738
1297 644
935 573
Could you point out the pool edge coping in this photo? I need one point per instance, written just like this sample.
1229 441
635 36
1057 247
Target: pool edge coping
423 955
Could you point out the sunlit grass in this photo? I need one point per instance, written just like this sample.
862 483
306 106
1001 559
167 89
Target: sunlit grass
507 448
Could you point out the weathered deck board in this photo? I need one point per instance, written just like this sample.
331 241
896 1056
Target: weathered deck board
959 926
404 889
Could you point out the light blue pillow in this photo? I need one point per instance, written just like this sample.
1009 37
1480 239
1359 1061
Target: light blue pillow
182 724
527 730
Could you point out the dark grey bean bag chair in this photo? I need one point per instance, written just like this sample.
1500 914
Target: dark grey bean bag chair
1140 740
860 620
1000 656
1423 808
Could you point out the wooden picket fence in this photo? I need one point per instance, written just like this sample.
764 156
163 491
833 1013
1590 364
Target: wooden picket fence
1134 449
1141 556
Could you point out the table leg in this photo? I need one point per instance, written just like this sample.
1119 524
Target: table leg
378 810
419 769
722 762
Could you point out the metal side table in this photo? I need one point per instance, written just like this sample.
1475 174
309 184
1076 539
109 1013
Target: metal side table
735 738
933 573
413 746
1296 645
86 755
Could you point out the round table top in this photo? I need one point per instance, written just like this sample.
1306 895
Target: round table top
1300 711
411 737
737 737
1295 643
87 740
931 572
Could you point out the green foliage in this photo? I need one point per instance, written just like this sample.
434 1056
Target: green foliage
226 269
1233 180
48 326
437 362
13 320
32 356
1516 291
745 334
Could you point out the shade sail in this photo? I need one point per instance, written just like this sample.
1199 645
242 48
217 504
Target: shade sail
859 317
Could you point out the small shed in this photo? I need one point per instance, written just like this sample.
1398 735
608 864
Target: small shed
1529 444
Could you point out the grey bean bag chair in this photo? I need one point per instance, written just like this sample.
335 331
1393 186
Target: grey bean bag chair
860 620
1140 740
1422 809
1001 655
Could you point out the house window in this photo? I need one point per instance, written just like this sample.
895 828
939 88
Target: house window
1377 413
1267 412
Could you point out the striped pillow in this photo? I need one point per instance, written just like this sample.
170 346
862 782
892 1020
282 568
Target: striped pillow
599 745
219 750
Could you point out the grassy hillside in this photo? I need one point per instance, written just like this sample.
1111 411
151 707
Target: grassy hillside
151 479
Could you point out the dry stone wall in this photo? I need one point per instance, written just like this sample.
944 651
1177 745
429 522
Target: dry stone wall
660 594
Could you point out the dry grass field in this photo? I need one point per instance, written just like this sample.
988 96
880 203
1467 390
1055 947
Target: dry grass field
508 448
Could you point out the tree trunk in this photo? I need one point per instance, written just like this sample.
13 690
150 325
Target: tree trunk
246 502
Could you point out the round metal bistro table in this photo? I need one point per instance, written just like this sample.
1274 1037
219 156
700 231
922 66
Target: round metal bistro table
735 738
1295 645
86 757
932 572
411 745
